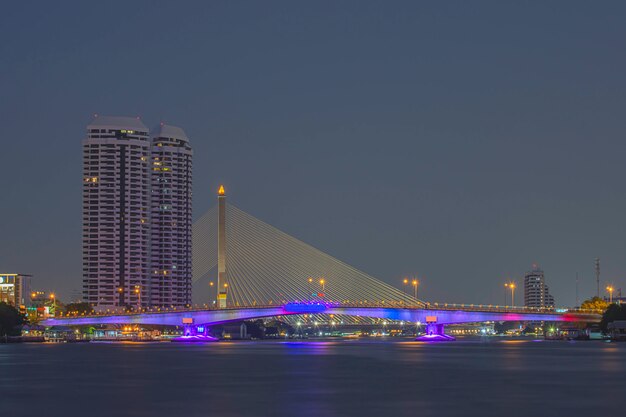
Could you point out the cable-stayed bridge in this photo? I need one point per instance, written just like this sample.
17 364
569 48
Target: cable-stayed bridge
266 266
256 270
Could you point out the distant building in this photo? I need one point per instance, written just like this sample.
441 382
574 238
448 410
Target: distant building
41 305
136 215
536 291
15 289
615 299
39 298
617 330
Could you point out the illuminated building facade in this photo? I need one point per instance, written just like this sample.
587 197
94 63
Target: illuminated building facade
170 208
42 305
115 211
15 289
136 215
536 291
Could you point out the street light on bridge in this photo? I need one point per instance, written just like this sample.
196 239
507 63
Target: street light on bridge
506 285
138 292
510 285
211 285
610 291
322 283
54 305
415 284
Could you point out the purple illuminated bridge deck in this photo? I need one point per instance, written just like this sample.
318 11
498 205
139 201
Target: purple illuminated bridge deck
440 314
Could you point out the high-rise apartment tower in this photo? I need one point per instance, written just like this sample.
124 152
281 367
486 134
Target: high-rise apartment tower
136 215
536 292
170 220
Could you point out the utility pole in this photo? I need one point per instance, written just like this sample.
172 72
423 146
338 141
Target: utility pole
577 290
597 267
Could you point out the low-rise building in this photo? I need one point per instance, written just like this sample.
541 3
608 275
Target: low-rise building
617 330
42 305
15 289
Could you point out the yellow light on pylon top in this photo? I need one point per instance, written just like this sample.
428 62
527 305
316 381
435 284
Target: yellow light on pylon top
221 191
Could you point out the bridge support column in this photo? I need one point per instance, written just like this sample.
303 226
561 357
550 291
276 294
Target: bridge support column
435 333
193 333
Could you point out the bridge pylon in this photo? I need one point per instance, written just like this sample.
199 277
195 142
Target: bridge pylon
222 285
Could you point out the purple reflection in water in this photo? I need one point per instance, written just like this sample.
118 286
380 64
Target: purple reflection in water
195 338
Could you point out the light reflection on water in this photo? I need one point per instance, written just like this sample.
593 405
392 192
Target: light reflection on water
375 377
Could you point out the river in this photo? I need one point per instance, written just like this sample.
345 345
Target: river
365 377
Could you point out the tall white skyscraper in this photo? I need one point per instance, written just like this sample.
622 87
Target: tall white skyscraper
136 215
171 200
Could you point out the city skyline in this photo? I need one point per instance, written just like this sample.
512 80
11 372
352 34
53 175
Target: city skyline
486 172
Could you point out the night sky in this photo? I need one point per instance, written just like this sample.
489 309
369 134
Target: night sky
461 142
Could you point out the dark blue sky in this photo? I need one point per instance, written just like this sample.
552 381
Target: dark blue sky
461 142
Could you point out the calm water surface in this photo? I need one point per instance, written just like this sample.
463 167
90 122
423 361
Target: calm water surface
469 377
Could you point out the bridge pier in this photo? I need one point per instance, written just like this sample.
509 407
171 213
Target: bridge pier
195 333
435 333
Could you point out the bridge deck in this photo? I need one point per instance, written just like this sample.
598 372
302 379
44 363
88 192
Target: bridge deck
443 314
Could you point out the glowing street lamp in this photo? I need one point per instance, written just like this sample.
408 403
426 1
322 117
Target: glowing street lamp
506 285
610 291
415 283
138 292
512 293
405 282
322 283
54 303
511 285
